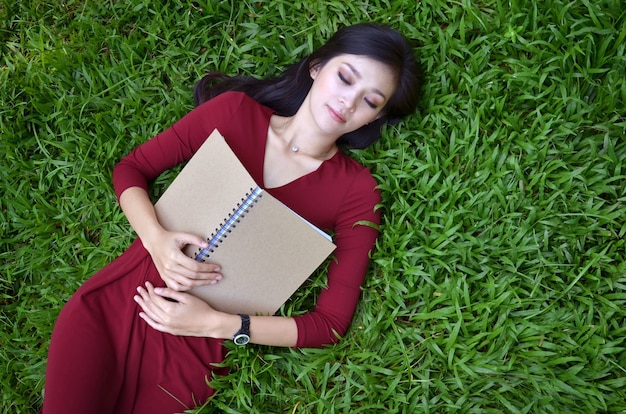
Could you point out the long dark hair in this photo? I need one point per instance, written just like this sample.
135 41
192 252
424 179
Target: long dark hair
286 92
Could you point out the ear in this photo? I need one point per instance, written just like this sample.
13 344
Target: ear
314 68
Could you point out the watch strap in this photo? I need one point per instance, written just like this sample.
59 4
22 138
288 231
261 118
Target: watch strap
242 337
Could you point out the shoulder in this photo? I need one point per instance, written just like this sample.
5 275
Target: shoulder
359 186
229 112
234 101
356 173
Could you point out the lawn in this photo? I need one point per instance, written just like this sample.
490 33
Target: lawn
499 282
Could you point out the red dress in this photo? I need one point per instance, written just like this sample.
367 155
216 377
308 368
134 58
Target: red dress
104 359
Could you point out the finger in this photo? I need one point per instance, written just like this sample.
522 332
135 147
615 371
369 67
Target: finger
187 268
182 284
150 304
202 266
194 269
166 302
184 239
161 302
148 308
155 325
171 294
178 283
171 283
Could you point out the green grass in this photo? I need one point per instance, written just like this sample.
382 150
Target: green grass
499 283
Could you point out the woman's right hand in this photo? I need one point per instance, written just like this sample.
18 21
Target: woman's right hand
178 271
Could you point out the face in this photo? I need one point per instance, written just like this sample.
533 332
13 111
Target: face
349 91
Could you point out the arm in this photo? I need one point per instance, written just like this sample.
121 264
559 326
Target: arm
335 306
176 269
131 176
191 316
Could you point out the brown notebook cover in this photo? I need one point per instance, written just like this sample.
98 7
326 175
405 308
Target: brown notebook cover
265 250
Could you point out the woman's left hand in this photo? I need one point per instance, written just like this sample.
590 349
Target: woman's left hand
187 316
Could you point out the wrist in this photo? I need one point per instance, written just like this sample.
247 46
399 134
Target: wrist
227 326
242 337
150 236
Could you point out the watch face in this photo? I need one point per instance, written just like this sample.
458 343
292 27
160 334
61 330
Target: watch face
241 339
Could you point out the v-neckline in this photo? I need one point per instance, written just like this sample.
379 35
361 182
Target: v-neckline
265 143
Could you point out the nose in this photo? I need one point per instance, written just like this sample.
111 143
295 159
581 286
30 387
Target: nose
349 101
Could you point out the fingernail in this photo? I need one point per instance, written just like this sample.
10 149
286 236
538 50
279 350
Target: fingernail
158 290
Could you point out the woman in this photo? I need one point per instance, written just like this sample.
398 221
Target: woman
110 354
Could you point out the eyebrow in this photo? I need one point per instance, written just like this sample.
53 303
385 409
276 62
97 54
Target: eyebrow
358 75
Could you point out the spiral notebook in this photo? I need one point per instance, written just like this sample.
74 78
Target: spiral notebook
266 251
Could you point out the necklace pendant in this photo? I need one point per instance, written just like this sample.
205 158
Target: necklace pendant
294 148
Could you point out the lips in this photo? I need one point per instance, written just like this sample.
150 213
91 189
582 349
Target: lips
336 115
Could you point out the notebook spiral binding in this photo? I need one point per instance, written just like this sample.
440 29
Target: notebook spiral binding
231 222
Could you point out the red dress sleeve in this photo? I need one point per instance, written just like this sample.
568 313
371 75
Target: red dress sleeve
176 144
355 236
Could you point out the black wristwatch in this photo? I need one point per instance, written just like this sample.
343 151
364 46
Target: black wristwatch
242 336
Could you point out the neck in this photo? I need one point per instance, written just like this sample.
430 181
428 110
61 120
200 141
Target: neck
304 141
320 154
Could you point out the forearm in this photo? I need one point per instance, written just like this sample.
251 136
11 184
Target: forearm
139 211
264 330
180 313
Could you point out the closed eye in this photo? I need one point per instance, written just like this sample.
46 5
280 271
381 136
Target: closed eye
371 104
343 78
